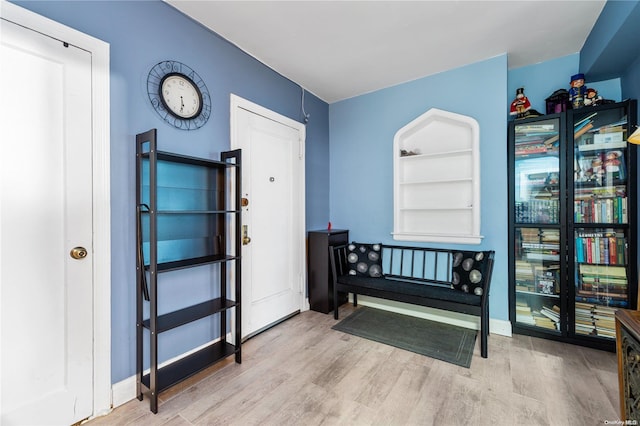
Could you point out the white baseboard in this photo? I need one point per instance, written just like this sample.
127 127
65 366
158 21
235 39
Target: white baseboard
125 390
496 326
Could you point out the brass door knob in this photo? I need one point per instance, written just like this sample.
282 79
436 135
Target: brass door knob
78 252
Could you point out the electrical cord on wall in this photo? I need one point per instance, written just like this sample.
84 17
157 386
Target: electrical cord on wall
306 116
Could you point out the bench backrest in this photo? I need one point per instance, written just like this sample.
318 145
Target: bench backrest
444 267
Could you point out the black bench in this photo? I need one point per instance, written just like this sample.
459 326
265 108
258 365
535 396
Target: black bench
453 280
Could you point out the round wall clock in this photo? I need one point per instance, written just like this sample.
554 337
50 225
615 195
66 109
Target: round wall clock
178 94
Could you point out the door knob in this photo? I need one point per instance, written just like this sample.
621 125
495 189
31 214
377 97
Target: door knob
245 238
78 252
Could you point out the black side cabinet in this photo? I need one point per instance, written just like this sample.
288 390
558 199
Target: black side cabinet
319 269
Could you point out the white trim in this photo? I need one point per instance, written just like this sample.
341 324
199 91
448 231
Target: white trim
123 391
101 189
237 102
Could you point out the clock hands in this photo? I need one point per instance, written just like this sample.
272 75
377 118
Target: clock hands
181 104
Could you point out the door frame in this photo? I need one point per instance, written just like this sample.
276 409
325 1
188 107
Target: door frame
236 103
101 178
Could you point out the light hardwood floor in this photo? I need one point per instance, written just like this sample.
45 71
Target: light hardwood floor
302 372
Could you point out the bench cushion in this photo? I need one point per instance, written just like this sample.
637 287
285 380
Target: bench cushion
412 288
364 259
470 271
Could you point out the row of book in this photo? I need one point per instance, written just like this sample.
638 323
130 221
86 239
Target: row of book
595 320
537 278
538 211
536 139
601 210
539 235
545 317
607 248
602 285
536 147
590 319
585 131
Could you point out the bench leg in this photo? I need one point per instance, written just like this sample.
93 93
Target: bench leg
355 299
484 334
335 301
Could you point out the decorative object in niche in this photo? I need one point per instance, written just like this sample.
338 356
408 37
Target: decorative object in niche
437 179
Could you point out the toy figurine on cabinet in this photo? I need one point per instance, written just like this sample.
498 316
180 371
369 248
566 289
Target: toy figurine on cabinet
520 104
578 91
521 107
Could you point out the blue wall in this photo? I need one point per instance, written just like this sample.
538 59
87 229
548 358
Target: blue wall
614 42
361 135
137 32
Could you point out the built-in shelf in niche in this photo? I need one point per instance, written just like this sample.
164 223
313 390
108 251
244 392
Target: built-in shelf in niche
437 179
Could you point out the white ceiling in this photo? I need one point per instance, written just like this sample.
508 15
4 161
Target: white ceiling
340 49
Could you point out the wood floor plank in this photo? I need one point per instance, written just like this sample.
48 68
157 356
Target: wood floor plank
302 372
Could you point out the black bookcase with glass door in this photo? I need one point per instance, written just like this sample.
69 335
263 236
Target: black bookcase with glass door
572 223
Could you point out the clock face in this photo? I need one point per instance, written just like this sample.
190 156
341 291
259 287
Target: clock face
178 94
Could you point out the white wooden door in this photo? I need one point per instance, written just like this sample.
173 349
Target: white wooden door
45 212
273 262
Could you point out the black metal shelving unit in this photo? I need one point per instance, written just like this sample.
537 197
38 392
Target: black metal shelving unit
188 216
571 175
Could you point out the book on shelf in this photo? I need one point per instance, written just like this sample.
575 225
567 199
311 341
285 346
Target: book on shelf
608 302
549 235
546 255
544 209
616 288
549 246
604 321
598 146
603 271
547 279
602 293
523 313
529 235
534 128
551 313
612 127
611 191
544 322
601 210
582 130
583 122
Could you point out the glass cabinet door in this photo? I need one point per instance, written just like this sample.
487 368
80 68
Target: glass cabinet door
537 172
537 277
600 167
601 217
536 220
